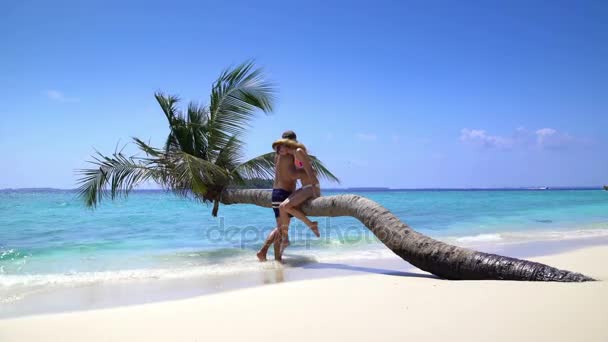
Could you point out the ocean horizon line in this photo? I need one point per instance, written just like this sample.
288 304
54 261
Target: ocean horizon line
361 189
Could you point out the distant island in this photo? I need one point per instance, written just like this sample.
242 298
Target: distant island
34 189
255 183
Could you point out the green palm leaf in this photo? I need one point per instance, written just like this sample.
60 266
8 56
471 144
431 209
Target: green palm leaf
197 123
235 97
168 103
259 167
263 167
187 175
149 150
113 176
322 170
230 155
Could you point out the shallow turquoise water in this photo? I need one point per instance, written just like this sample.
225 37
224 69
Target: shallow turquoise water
48 237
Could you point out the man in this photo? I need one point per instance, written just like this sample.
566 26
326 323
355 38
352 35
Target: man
284 184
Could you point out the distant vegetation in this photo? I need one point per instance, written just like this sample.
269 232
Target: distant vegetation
606 187
255 183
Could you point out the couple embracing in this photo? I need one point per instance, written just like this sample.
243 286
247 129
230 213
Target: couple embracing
292 163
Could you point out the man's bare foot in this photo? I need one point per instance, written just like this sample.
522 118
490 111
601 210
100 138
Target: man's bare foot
315 228
261 256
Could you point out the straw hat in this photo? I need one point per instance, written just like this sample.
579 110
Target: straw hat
289 143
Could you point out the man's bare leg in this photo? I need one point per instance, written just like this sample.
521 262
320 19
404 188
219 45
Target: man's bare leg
273 238
269 240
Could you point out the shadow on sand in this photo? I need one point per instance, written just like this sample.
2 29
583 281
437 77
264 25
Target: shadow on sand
365 269
309 263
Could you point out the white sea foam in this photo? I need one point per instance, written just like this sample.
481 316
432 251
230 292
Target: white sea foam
234 265
11 286
84 278
7 299
479 238
528 236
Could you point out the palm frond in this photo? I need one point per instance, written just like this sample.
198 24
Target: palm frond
235 97
188 132
171 144
187 175
168 103
179 135
322 170
149 150
230 155
259 167
113 175
198 128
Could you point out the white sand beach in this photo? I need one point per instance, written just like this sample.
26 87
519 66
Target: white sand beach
356 308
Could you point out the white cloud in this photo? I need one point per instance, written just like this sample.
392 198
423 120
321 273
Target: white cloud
366 137
549 138
544 138
58 96
480 137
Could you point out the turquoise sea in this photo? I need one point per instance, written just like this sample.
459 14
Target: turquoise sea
48 238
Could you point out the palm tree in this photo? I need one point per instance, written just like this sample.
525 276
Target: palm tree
203 154
202 157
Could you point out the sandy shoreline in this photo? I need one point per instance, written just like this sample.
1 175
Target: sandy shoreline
356 308
56 298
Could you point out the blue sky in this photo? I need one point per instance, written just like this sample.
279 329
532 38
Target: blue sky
401 94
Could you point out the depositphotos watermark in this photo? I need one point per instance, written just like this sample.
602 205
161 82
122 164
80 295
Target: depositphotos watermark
299 234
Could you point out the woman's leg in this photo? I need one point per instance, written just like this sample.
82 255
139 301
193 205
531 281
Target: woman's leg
289 206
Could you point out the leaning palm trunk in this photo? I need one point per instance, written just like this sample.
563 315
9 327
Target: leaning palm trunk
436 257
